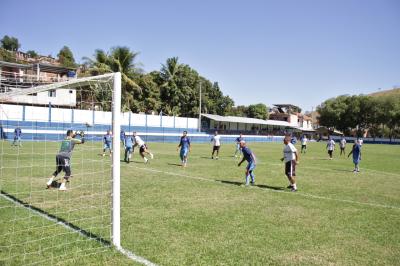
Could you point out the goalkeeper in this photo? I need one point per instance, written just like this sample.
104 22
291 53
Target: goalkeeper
63 158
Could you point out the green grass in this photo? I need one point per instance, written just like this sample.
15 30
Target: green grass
199 215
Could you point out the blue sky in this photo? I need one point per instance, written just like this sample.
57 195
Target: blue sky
290 51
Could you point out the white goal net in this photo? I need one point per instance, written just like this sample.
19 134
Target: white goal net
59 170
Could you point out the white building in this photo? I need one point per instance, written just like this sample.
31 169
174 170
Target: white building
15 76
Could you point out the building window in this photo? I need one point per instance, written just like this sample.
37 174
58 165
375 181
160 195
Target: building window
52 93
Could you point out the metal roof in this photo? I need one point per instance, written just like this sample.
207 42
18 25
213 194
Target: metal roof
75 83
43 67
246 120
53 69
9 64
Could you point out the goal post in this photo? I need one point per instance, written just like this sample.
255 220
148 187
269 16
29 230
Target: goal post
34 121
116 174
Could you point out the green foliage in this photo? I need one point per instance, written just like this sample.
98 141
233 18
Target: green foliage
363 113
10 43
32 53
259 111
66 57
7 56
173 90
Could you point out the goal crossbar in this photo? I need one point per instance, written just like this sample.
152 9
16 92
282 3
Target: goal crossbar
58 85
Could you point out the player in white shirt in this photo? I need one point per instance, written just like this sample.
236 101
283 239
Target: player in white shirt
142 147
216 139
342 145
331 147
291 159
304 141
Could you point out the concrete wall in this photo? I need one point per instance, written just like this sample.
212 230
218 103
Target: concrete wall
65 115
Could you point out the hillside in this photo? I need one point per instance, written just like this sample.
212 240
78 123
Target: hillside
393 92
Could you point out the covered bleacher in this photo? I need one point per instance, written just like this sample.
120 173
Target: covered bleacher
245 125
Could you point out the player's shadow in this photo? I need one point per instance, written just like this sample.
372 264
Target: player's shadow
174 164
57 219
236 183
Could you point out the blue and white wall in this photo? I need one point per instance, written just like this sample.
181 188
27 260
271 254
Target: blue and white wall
51 124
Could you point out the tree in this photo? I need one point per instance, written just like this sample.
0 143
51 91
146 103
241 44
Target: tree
119 59
259 111
240 110
10 43
334 113
66 57
32 53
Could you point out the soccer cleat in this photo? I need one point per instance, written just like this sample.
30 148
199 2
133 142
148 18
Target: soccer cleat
63 187
216 158
145 160
49 182
293 189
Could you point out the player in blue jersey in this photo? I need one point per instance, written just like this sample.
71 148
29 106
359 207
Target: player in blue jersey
17 137
63 158
122 137
249 156
238 149
107 141
356 151
185 147
128 144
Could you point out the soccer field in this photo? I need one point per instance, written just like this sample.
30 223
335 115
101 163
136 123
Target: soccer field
200 215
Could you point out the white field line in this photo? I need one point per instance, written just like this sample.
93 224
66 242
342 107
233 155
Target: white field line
125 252
271 190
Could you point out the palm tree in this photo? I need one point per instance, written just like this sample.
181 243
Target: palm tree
168 89
119 59
169 70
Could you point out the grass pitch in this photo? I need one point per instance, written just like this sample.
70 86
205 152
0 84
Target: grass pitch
200 215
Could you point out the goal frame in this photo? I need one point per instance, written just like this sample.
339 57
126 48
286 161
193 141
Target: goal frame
116 129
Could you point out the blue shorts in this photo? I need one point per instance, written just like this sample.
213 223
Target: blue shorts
128 149
251 166
184 153
107 145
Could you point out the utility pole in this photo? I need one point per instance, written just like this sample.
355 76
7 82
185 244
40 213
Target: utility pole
200 109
